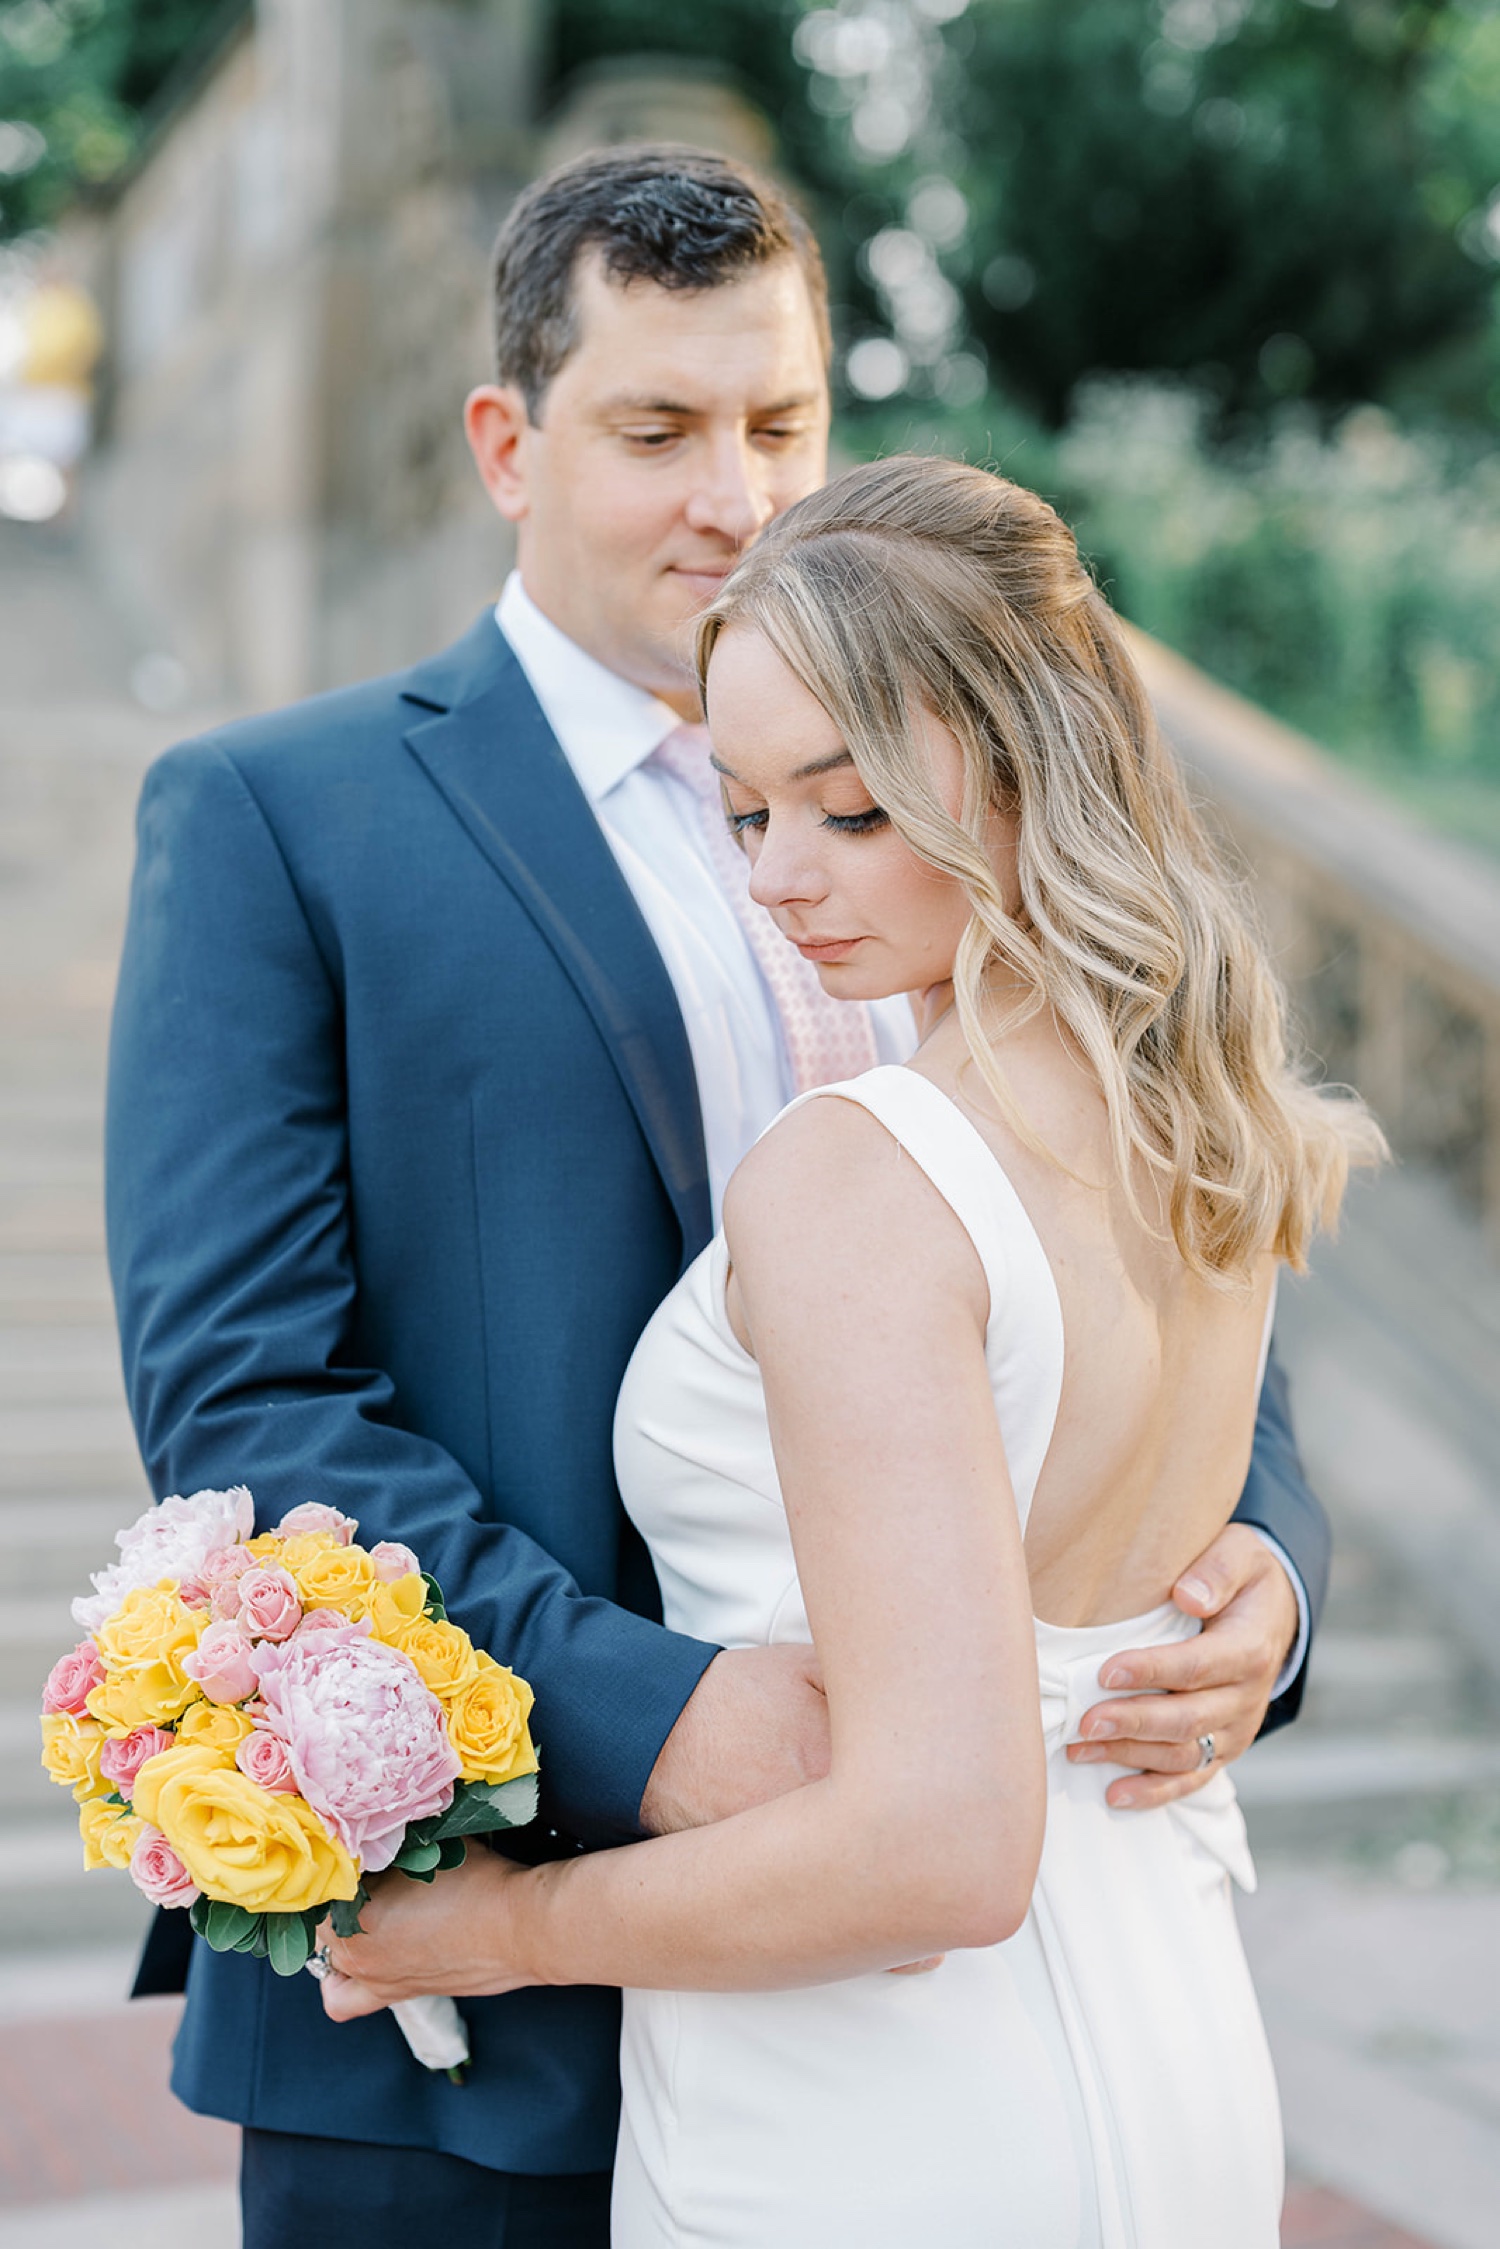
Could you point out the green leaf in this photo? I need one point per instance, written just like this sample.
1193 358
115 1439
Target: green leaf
436 1607
224 1925
344 1913
452 1852
480 1808
418 1858
289 1940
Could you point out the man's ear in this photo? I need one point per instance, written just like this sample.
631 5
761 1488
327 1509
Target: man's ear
497 426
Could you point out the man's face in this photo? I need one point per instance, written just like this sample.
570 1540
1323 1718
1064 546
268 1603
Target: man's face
679 425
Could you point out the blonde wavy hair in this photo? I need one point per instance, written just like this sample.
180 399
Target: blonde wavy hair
924 582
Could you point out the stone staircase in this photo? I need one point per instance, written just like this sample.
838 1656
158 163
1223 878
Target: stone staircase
72 749
1394 1350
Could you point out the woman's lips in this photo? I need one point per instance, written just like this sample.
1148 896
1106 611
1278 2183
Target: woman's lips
826 948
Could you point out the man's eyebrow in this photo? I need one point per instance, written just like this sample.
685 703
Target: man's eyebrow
638 403
810 772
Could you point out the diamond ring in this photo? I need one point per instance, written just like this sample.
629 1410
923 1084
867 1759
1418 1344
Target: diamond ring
1205 1755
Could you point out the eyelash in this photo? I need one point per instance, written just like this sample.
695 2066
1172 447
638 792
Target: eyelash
842 823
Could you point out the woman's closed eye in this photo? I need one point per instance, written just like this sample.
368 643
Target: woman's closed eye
842 823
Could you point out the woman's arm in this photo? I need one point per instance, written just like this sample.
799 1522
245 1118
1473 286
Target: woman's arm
866 1306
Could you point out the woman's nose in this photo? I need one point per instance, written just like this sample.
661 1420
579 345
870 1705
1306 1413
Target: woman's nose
786 869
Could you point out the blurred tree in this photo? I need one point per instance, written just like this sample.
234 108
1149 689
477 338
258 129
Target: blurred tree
78 79
1276 197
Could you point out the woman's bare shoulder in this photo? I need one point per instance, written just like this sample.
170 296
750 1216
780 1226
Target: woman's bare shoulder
829 1189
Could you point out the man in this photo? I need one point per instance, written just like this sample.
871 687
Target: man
440 1025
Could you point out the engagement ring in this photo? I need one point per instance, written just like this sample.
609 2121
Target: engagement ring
1205 1756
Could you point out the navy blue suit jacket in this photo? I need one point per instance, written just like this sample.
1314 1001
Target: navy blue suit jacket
403 1150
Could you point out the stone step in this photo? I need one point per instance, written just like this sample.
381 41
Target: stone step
52 1546
1314 1796
48 1901
1363 1681
41 1289
60 1366
35 1629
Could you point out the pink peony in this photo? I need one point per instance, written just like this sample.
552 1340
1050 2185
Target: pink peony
312 1515
173 1540
120 1760
71 1677
262 1757
393 1561
318 1621
158 1872
221 1664
270 1605
365 1738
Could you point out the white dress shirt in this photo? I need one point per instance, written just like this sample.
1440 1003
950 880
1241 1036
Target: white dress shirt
607 729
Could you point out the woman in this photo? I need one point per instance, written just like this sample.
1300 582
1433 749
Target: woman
980 1343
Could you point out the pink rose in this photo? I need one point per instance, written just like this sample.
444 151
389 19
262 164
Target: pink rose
393 1561
270 1605
364 1737
312 1515
220 1580
262 1757
70 1679
121 1760
221 1664
158 1872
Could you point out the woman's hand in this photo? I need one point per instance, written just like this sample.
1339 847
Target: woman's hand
454 1935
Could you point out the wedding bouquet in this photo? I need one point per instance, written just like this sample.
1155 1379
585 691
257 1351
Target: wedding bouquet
254 1724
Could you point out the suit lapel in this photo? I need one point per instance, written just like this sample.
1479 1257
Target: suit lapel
481 737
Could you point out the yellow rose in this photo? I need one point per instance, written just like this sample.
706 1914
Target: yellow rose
394 1609
446 1658
241 1844
141 1648
265 1546
487 1724
330 1576
108 1834
70 1753
217 1725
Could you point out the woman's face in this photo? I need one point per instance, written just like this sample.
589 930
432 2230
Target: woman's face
839 881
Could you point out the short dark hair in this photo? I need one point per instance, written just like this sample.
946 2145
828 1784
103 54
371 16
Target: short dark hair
676 216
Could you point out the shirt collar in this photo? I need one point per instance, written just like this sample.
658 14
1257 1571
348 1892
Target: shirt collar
606 726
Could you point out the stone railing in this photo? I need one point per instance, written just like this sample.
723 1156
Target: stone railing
1388 935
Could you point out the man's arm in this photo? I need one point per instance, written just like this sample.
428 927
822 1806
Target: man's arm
1278 1502
230 1247
1260 1589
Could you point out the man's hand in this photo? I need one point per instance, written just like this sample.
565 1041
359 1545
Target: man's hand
756 1727
1218 1683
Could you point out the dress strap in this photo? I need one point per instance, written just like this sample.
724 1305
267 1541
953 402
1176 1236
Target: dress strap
1024 1333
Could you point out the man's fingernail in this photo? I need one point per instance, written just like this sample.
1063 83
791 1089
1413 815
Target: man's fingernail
1118 1675
1195 1589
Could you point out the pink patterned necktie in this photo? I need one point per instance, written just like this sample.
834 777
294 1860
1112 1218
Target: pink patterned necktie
827 1040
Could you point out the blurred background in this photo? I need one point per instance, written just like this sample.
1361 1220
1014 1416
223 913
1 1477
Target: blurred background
1219 277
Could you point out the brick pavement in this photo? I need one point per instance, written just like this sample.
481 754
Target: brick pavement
85 2112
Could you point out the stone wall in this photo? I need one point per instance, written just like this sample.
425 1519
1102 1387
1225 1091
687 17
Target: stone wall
1389 936
295 283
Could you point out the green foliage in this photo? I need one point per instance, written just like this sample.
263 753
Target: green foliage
1274 197
1347 578
78 79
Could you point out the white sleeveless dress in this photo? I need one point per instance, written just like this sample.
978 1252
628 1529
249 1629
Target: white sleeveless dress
1101 2081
